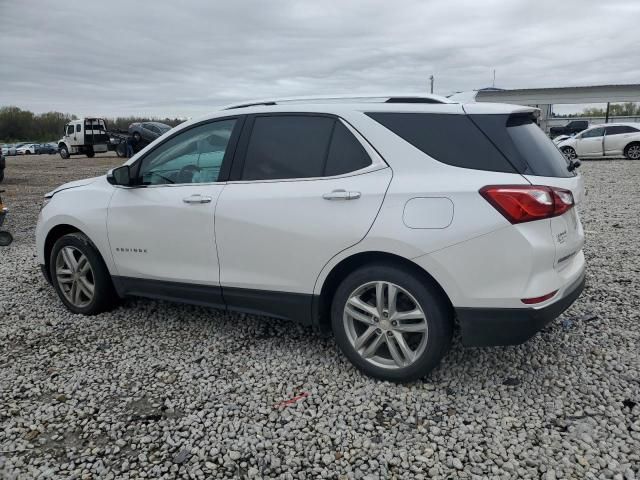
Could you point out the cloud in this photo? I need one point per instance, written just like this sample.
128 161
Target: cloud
188 57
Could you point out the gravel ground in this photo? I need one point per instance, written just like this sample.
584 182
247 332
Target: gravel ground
154 389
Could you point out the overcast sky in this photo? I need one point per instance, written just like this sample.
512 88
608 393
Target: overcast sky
186 57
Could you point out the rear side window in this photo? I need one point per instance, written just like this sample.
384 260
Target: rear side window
620 129
451 139
346 154
301 146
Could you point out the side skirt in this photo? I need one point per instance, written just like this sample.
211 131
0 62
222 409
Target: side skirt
297 307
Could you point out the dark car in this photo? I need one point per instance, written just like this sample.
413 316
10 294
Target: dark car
47 148
570 128
147 132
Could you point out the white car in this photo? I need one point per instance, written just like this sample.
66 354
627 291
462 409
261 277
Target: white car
27 149
599 141
387 220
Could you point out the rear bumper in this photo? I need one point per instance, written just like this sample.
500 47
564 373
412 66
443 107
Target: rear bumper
483 327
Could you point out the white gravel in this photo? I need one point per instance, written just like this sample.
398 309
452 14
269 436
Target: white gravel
159 390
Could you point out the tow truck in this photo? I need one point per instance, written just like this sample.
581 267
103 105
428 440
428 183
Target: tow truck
86 136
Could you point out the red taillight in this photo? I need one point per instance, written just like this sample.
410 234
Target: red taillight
524 203
530 301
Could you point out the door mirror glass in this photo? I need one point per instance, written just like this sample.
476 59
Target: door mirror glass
120 176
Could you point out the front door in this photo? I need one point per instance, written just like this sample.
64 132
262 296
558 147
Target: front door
161 231
590 143
306 189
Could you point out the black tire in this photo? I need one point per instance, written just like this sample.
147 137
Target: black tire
1 175
569 153
91 153
438 314
27 152
104 297
64 152
632 151
5 239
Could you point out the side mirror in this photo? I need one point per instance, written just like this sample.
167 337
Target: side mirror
120 176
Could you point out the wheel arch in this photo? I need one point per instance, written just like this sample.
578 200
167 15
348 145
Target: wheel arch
357 260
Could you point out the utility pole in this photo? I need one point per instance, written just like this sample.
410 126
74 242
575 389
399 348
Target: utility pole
494 78
431 80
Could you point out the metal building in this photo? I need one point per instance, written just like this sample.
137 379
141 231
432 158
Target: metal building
545 98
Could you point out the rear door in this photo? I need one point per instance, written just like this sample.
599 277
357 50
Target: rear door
590 143
304 187
616 138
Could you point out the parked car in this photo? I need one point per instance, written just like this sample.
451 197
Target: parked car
8 150
570 128
48 148
147 131
382 220
608 140
27 149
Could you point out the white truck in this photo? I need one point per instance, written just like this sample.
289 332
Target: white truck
86 136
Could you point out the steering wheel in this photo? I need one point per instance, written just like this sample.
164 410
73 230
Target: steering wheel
185 175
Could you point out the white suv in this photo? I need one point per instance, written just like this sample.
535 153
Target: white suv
385 219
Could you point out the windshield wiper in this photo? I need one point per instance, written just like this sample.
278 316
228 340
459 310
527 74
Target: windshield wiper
573 165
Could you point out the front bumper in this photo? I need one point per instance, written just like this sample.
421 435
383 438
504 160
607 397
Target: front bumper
483 327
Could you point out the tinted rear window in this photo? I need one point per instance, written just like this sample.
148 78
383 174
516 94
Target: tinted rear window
450 139
287 147
527 146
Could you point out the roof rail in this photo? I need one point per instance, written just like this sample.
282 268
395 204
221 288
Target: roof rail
419 98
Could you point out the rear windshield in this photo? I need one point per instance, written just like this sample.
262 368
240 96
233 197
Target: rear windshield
497 143
524 144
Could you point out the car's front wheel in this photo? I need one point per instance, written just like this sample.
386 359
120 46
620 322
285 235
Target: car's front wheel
391 323
64 152
80 276
569 153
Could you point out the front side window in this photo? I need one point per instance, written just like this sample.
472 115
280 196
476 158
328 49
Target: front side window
596 132
301 146
192 156
78 128
69 129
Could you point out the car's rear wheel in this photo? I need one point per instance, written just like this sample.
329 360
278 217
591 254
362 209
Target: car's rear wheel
632 152
91 153
569 153
64 152
80 276
392 324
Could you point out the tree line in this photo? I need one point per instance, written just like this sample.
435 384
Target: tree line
22 125
627 109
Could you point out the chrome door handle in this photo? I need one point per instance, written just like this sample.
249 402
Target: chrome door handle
197 198
341 195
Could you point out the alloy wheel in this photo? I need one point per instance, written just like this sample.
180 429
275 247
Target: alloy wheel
75 276
569 153
386 325
633 152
